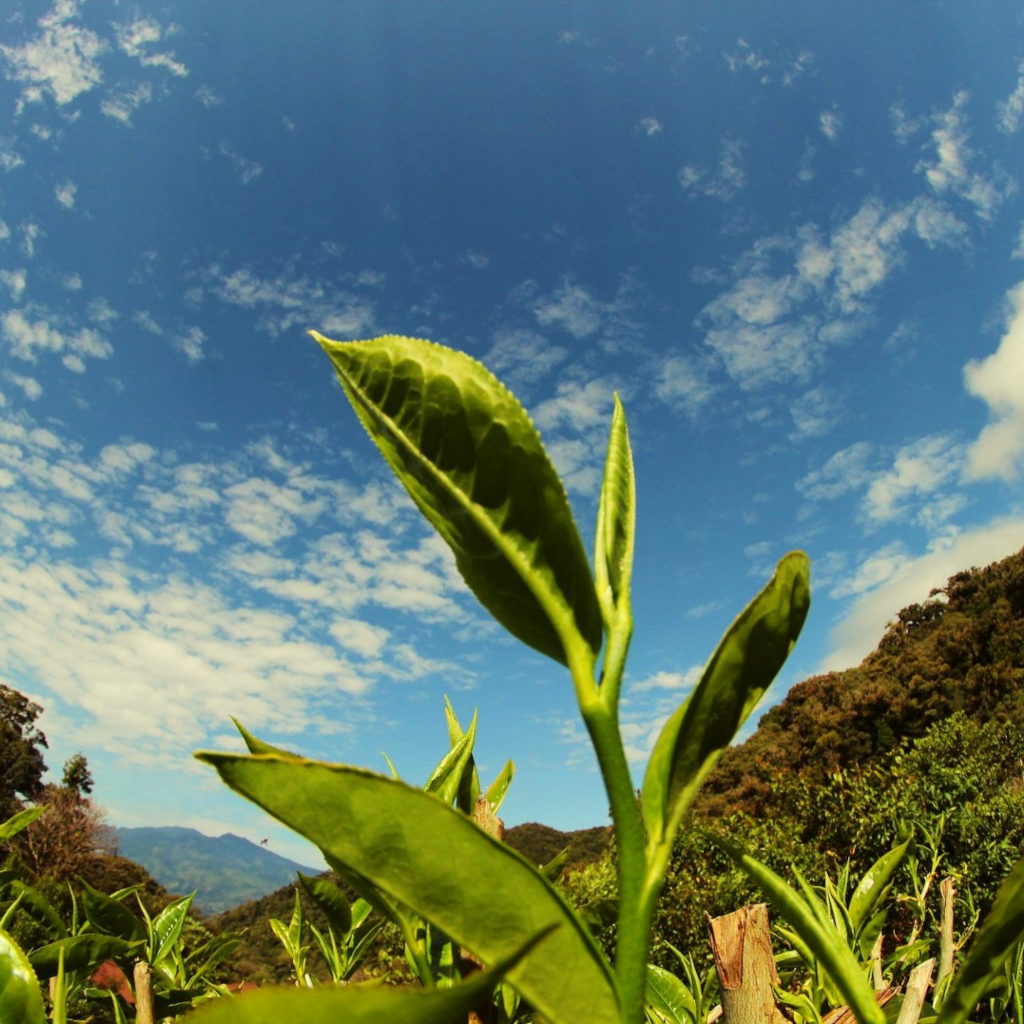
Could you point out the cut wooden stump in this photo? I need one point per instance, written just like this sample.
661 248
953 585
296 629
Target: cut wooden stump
742 944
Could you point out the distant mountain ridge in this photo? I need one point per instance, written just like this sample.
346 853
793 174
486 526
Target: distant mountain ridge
226 870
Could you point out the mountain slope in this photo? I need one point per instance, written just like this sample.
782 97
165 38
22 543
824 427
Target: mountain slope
962 650
227 870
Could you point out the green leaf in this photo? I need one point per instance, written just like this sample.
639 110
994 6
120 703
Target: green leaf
499 787
331 900
670 997
109 916
359 1004
824 943
447 779
167 927
616 522
743 666
256 745
21 1002
80 951
469 785
994 941
13 825
437 862
39 908
875 884
470 458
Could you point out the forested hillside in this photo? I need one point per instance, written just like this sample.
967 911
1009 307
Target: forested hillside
962 650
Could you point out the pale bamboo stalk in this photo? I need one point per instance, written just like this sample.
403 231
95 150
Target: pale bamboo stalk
946 947
917 988
144 1009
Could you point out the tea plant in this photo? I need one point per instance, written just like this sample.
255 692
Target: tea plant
472 461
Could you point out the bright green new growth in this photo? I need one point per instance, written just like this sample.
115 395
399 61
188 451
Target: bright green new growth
474 464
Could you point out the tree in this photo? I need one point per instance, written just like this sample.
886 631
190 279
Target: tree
21 750
70 834
77 775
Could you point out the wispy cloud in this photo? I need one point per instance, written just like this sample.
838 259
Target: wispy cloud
10 158
34 332
795 296
15 281
786 68
65 194
284 303
998 380
918 470
721 182
136 37
831 124
684 383
1010 112
952 172
649 126
208 96
246 169
890 578
121 105
61 60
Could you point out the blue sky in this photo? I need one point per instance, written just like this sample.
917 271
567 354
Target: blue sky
790 236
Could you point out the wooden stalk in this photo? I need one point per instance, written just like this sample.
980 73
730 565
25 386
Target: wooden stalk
946 946
742 944
144 1008
917 989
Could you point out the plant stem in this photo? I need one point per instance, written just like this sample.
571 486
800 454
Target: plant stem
633 937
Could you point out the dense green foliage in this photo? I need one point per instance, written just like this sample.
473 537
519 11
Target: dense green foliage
22 743
963 650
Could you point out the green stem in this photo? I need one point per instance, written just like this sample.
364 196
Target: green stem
633 931
415 946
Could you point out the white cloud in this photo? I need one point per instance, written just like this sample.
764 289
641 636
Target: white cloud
845 471
579 405
650 126
876 569
815 412
918 469
208 97
28 338
788 68
246 169
363 638
30 231
15 280
998 380
683 384
951 170
723 181
134 39
65 194
522 357
62 59
831 124
29 386
287 303
123 104
795 296
572 308
805 172
900 580
903 126
672 681
1010 112
190 344
10 158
